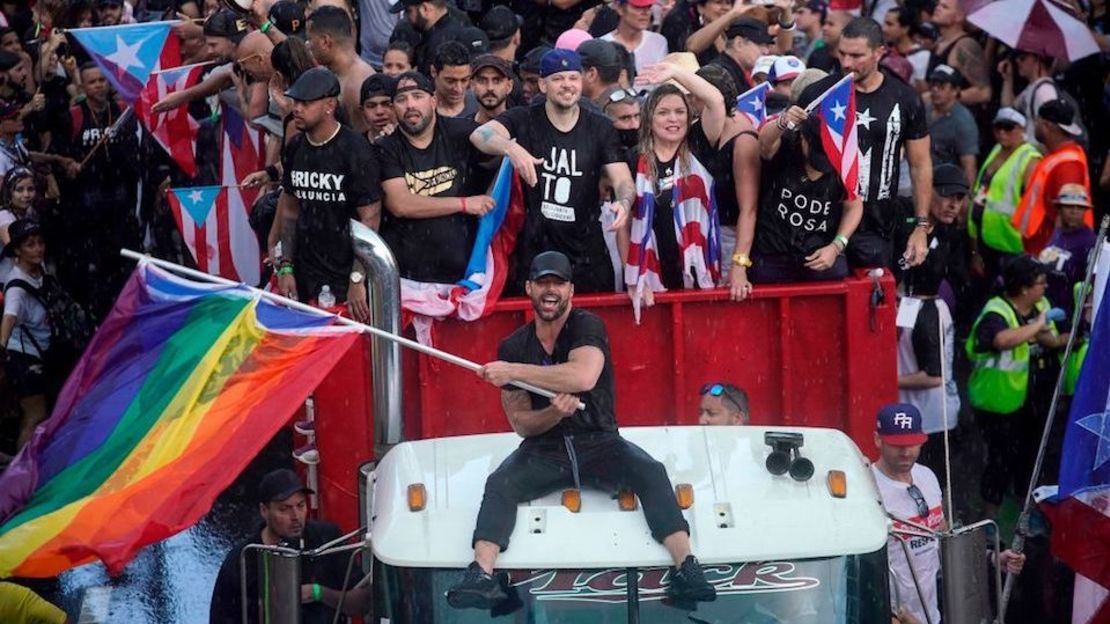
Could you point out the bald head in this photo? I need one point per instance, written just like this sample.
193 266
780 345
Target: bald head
253 55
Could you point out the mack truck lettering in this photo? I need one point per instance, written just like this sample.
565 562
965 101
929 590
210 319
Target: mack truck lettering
611 585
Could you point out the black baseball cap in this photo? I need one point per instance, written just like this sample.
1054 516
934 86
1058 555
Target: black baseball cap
751 29
377 85
288 16
226 23
315 84
483 61
474 39
1061 113
531 62
109 3
280 485
946 74
8 60
19 231
416 82
500 23
598 53
401 5
949 180
550 263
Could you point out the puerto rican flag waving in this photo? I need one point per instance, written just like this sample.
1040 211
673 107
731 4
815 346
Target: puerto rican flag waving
753 103
475 295
836 109
174 130
128 53
217 241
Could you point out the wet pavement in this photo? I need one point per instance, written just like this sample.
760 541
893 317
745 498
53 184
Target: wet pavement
170 582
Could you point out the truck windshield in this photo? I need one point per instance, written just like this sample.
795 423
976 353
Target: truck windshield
850 589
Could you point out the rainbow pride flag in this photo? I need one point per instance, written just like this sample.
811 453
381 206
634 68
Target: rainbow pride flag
180 388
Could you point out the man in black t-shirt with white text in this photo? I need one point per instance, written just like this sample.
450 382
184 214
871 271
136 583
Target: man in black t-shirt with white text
331 177
890 118
566 350
431 185
572 145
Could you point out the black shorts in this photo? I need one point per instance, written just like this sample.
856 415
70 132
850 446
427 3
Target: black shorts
26 373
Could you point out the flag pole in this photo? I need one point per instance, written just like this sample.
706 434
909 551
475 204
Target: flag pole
109 133
817 102
304 307
1018 543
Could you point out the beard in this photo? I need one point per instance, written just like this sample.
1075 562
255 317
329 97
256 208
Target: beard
549 315
491 101
413 129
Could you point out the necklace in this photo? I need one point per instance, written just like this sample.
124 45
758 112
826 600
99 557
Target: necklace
325 141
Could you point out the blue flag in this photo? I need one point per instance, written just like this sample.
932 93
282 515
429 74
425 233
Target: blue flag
127 54
1085 462
489 225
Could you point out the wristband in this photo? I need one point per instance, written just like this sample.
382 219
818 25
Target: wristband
316 592
921 222
272 171
462 201
267 25
786 28
286 269
843 240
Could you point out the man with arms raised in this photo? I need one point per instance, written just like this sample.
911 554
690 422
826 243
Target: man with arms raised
559 149
566 349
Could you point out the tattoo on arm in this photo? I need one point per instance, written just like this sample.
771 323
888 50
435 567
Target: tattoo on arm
625 192
969 60
288 236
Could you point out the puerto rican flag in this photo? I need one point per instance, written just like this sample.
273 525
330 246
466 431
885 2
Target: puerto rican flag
1081 514
697 228
221 243
836 108
128 53
174 130
753 103
474 296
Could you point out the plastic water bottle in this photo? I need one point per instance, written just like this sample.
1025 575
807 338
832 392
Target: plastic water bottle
326 299
1056 315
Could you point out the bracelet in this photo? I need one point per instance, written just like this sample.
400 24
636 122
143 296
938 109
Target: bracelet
272 171
921 222
316 592
267 25
843 240
786 28
462 200
741 259
285 270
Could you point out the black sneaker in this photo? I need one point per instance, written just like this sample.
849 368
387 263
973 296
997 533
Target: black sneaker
688 583
476 590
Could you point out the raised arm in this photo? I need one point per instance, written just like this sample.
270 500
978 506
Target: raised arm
712 115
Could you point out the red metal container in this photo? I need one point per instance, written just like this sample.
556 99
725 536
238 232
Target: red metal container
807 354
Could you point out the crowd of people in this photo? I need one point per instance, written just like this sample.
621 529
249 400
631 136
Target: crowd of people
981 167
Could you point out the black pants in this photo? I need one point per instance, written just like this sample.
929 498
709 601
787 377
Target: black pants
606 461
785 268
1012 441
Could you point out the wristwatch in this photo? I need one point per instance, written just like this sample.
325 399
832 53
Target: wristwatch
357 277
741 259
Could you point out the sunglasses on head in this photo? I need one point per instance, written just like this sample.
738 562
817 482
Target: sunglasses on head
1006 127
919 500
720 390
621 95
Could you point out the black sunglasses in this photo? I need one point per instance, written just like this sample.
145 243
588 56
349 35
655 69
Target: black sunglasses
919 500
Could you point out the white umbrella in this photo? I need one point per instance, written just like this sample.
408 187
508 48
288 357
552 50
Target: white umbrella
1039 26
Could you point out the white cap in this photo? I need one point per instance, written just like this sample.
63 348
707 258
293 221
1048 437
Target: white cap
763 65
1009 115
785 68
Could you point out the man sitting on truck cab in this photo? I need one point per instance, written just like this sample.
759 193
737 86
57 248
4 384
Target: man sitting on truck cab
566 350
723 404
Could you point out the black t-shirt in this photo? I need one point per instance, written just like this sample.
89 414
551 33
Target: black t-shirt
328 571
926 339
331 182
104 191
797 215
739 76
444 30
925 278
662 223
885 119
564 208
582 329
435 249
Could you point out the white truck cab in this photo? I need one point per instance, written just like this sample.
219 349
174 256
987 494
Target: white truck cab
776 548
